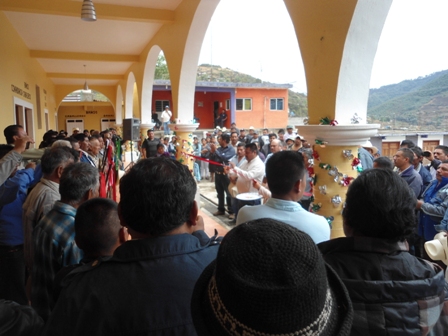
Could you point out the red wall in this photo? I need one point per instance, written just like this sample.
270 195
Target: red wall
259 117
205 112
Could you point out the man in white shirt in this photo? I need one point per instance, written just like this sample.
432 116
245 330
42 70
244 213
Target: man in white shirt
238 160
166 116
290 133
252 169
285 173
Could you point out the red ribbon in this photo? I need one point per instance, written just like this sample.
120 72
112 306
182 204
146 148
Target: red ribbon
200 158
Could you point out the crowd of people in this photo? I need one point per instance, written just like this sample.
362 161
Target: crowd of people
74 263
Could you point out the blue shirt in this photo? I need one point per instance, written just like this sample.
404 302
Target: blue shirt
223 155
288 212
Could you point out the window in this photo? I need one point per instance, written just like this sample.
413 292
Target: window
244 104
228 104
277 104
160 105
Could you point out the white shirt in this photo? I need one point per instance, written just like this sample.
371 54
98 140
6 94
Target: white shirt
248 171
166 115
290 213
289 136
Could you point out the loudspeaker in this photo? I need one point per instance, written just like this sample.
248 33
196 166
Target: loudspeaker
131 129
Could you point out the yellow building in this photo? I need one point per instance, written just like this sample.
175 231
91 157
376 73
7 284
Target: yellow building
47 52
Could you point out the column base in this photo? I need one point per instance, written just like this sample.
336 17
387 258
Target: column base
184 146
334 142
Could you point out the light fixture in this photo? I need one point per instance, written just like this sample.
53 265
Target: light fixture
86 87
88 11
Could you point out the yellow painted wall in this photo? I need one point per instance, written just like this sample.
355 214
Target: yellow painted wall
91 114
16 69
321 27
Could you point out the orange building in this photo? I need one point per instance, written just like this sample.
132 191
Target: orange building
247 104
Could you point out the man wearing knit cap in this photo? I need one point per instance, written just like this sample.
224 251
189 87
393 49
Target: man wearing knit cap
270 279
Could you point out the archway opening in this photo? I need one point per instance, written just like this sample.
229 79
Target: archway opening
86 110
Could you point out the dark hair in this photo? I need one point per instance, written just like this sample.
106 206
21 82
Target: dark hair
225 137
272 135
418 151
72 140
5 149
407 153
157 195
97 225
56 156
384 162
408 143
160 145
10 132
252 147
283 170
380 204
79 137
281 131
443 148
241 144
76 180
234 132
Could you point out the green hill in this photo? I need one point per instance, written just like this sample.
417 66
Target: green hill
420 104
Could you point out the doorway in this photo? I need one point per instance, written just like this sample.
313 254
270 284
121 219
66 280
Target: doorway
215 112
107 123
73 123
23 113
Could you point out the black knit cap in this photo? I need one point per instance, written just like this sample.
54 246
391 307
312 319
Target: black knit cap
270 279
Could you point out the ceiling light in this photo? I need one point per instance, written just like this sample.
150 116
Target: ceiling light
86 87
88 11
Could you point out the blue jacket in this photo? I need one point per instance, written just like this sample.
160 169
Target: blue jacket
11 230
413 179
144 289
434 208
425 175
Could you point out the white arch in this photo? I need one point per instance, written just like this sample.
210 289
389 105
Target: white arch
119 106
129 96
357 60
187 80
148 83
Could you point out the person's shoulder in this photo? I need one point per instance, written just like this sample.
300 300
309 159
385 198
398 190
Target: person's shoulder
248 213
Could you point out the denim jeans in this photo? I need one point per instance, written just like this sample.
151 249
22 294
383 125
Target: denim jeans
166 129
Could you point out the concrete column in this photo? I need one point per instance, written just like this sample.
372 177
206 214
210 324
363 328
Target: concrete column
335 140
338 41
184 145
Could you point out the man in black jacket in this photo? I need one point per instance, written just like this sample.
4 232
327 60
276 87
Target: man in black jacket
383 279
146 287
222 155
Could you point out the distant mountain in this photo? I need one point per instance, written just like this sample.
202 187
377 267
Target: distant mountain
419 104
298 102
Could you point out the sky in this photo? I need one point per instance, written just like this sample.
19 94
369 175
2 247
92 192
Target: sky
243 35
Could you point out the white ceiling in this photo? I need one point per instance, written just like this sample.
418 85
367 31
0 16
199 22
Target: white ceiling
65 33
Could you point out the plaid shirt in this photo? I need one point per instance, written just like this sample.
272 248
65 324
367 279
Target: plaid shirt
54 247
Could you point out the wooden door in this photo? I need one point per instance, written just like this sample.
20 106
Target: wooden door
390 148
